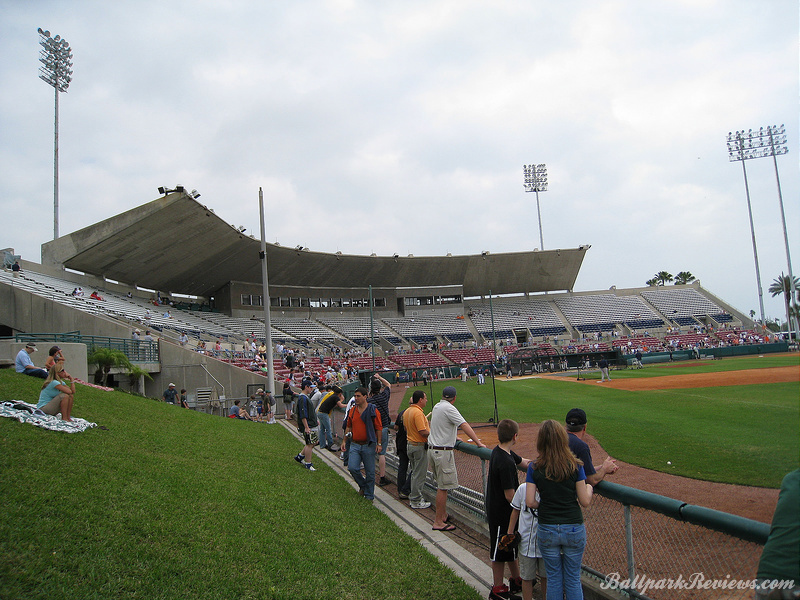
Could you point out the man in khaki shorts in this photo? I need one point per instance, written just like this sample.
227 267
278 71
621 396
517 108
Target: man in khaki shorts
445 423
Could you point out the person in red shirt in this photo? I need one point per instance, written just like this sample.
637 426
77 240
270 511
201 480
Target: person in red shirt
363 439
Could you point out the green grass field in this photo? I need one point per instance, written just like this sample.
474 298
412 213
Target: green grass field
170 504
744 435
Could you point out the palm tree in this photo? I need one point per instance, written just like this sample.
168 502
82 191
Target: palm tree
651 282
136 376
782 285
663 277
106 359
684 277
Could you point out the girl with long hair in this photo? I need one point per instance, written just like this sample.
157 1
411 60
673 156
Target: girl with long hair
558 477
58 393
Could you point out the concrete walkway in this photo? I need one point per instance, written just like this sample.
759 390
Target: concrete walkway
474 571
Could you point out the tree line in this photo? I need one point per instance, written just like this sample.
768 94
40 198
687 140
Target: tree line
665 277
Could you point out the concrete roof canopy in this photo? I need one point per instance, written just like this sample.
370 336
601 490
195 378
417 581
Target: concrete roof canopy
141 247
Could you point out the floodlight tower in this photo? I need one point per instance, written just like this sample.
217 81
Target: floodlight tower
759 143
56 56
536 181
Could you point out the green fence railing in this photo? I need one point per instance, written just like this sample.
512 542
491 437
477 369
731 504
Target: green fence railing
135 350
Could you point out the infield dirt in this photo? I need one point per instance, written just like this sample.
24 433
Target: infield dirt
750 502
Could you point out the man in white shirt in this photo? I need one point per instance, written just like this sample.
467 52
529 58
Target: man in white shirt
445 423
24 364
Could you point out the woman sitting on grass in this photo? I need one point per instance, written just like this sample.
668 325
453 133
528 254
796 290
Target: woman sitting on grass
56 396
559 478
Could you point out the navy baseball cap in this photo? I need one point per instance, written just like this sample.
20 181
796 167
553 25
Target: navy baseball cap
576 416
449 392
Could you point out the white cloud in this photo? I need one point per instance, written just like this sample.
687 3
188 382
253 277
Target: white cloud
403 128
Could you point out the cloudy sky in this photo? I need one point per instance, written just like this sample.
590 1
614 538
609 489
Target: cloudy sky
403 126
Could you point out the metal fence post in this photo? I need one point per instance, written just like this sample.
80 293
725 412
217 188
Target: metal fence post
629 545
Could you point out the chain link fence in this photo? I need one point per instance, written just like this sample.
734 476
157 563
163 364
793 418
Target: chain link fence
632 546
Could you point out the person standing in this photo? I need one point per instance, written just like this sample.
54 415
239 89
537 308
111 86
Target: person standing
501 485
380 392
603 364
269 406
260 406
401 446
780 558
170 395
362 435
417 431
288 399
445 423
531 563
329 402
306 422
576 430
559 479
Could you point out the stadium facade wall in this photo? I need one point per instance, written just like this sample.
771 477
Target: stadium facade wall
74 355
25 312
389 301
189 369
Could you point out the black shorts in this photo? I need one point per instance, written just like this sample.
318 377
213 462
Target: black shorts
496 531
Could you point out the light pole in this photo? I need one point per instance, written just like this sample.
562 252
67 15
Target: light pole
265 301
536 181
759 143
56 56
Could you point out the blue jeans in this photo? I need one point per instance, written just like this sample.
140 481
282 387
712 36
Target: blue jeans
562 549
325 431
358 454
40 373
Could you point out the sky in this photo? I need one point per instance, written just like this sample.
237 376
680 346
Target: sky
403 127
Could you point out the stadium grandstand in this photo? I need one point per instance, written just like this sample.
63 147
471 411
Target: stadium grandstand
200 295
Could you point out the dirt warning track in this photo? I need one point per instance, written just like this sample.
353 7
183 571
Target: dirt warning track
698 380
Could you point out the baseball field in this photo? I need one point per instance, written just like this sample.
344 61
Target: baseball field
732 421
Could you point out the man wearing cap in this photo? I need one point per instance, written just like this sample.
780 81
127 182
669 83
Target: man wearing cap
170 394
576 430
24 364
330 401
445 423
306 423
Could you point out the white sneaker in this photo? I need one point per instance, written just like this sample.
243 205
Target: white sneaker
309 466
420 505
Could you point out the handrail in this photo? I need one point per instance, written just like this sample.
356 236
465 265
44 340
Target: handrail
740 527
135 350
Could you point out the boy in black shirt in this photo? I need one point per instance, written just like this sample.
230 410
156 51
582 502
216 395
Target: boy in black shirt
501 485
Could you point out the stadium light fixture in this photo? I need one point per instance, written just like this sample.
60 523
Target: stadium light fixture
180 189
536 181
760 143
56 58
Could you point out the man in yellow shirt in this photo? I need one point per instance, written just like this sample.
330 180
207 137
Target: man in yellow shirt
417 430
